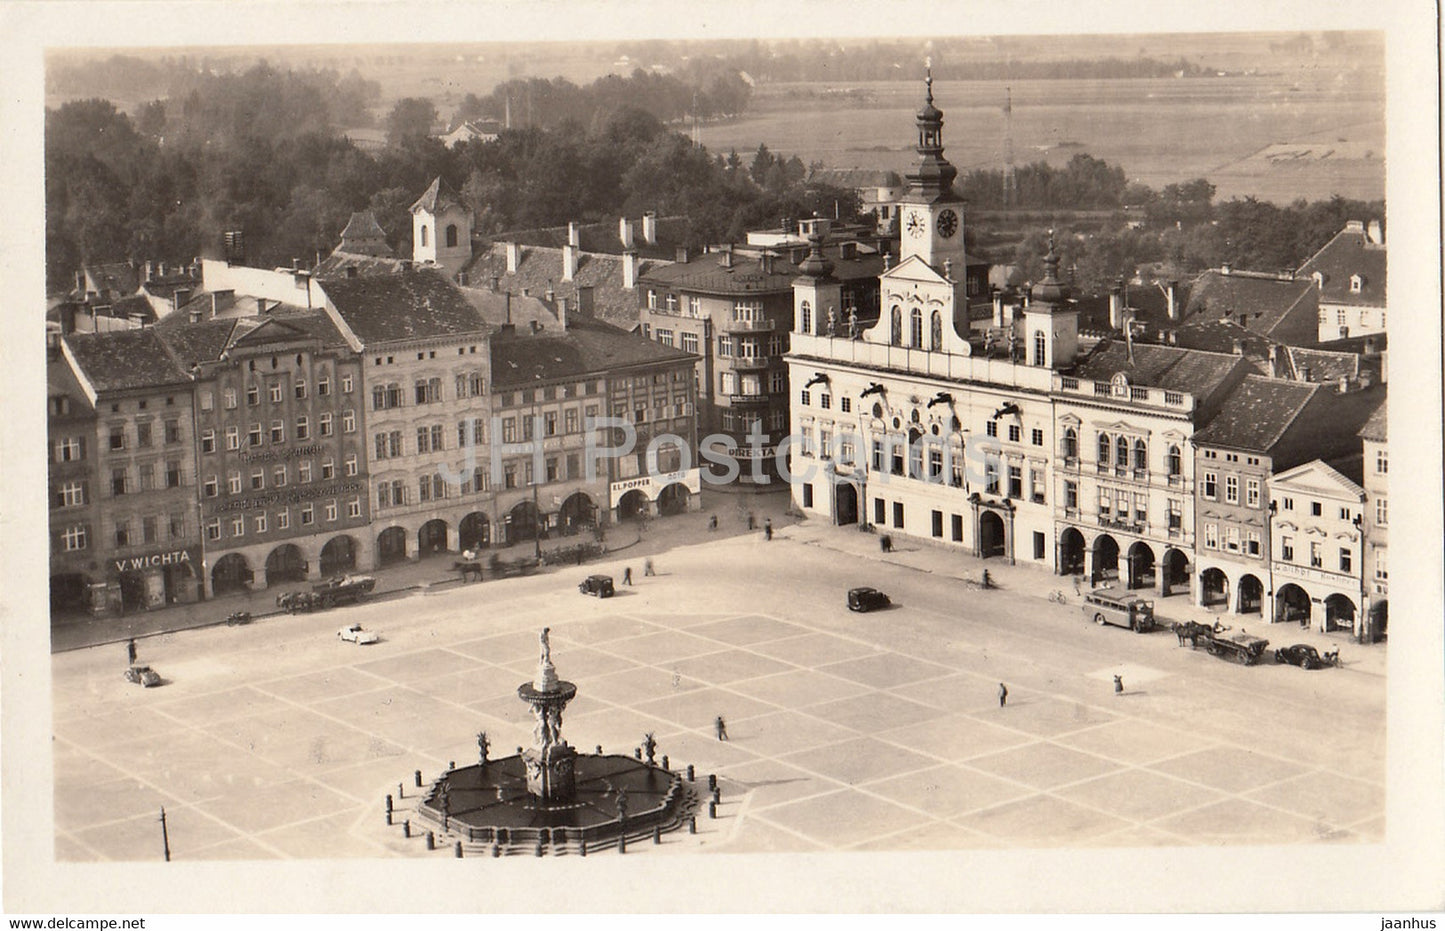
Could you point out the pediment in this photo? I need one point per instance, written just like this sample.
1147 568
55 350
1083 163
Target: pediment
912 269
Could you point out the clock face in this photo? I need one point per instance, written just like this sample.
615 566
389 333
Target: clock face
915 225
947 224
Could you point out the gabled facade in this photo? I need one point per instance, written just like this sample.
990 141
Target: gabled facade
1348 274
1374 436
1317 548
74 490
441 229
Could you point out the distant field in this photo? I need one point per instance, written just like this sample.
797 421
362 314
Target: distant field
1274 137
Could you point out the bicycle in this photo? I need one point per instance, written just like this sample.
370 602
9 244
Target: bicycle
1057 597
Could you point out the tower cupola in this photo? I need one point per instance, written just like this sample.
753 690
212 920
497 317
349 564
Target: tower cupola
934 176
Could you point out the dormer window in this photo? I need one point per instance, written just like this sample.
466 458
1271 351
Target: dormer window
1356 282
1319 279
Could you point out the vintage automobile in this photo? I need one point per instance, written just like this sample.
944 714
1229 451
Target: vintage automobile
1300 654
1120 608
343 589
143 676
354 634
866 599
599 585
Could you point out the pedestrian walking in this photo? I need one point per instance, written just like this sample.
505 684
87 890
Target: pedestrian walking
627 576
1076 585
721 727
885 543
752 521
130 651
767 529
1118 685
647 567
712 522
1002 695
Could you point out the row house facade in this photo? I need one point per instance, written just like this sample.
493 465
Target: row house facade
74 489
280 450
1317 546
145 532
425 374
1374 436
1348 274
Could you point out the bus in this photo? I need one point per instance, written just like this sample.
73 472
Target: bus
1120 608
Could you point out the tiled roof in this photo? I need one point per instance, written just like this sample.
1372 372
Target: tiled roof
602 237
1220 336
1189 370
166 287
1323 366
1149 304
437 197
1375 427
588 346
120 277
520 310
191 343
1256 414
855 177
411 305
707 273
363 225
1349 253
125 360
540 269
339 263
1258 302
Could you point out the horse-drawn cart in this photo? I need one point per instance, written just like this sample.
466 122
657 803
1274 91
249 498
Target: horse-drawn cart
1217 640
345 589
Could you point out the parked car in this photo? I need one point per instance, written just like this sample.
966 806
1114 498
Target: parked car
866 599
343 589
1300 654
599 585
143 676
356 635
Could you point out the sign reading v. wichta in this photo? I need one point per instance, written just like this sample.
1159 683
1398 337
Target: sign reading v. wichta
151 561
290 496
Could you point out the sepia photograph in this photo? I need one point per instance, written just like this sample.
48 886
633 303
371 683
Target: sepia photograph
828 459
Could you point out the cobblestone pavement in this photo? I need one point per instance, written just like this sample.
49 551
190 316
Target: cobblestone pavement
847 732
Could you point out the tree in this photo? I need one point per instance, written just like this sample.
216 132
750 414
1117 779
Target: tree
411 118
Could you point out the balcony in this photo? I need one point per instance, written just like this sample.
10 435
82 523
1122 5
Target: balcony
1128 526
748 363
749 326
741 399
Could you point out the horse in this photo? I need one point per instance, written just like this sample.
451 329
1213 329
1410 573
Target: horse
468 569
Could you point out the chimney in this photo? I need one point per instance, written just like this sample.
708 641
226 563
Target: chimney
1171 295
162 269
526 292
406 266
508 322
137 321
213 305
1238 347
997 296
624 232
1304 373
536 327
1369 345
574 235
1354 226
887 261
514 257
584 299
629 269
80 283
1224 268
496 283
681 255
260 305
196 316
1344 384
727 256
550 295
150 271
649 228
569 261
463 279
848 250
948 269
1173 338
1374 233
1116 315
562 312
1273 361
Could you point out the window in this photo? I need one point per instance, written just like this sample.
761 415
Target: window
1211 535
1316 509
1014 432
323 385
1015 481
1346 560
509 429
1344 514
328 470
308 515
725 346
212 487
898 513
303 428
1103 449
70 449
805 317
1287 504
1381 572
664 336
70 494
1211 485
117 437
805 397
1251 492
1317 556
207 400
1176 514
694 306
1071 443
651 299
348 421
353 507
208 441
1175 462
1286 549
213 529
173 431
549 423
146 473
451 236
278 476
346 384
238 526
261 522
423 234
228 399
350 465
1121 452
689 341
73 538
1251 543
896 328
118 482
173 474
1141 456
1071 496
253 395
303 472
1041 348
331 510
283 519
258 480
991 428
1382 462
428 391
1231 489
324 427
846 404
1382 512
278 431
1036 436
274 392
255 434
915 328
142 434
1106 503
1231 539
990 474
529 427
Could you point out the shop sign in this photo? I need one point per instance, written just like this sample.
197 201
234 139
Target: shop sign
151 561
290 496
274 455
652 485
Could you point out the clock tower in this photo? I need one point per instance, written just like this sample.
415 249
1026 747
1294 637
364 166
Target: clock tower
930 217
